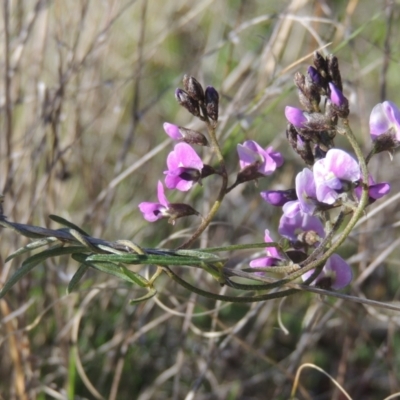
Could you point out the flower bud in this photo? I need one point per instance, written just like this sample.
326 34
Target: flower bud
339 101
193 88
334 72
188 102
295 116
279 197
212 102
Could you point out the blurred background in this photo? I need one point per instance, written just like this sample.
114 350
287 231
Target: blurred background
85 86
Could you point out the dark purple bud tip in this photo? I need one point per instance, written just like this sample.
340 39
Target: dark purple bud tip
212 102
314 75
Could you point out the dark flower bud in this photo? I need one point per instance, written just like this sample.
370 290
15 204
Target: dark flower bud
321 65
193 88
334 72
188 102
212 102
300 145
179 210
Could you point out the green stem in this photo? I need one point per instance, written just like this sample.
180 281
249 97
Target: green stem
217 204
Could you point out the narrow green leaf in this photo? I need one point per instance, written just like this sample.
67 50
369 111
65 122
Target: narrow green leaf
33 261
120 272
31 246
68 224
150 259
151 293
77 277
134 277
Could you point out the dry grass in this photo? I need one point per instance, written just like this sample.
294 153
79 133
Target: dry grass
88 87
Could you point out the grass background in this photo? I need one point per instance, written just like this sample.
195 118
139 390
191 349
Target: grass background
88 87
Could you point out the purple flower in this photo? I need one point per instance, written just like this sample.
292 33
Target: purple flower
295 116
186 135
385 119
331 172
306 195
278 197
252 154
154 211
291 228
335 274
272 255
184 168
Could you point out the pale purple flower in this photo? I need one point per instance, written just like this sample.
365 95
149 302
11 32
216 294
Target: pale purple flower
306 195
385 119
335 274
295 116
155 211
184 168
331 172
251 153
291 228
272 255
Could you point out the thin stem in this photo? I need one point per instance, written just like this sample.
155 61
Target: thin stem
217 204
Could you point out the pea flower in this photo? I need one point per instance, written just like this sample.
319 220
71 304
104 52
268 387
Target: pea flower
184 168
278 197
384 126
335 274
164 209
385 117
306 195
332 172
265 162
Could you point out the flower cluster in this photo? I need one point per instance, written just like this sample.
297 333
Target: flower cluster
185 166
332 178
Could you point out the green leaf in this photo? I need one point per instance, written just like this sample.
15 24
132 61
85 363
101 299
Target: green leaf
151 259
33 261
31 246
68 224
120 272
77 277
151 293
